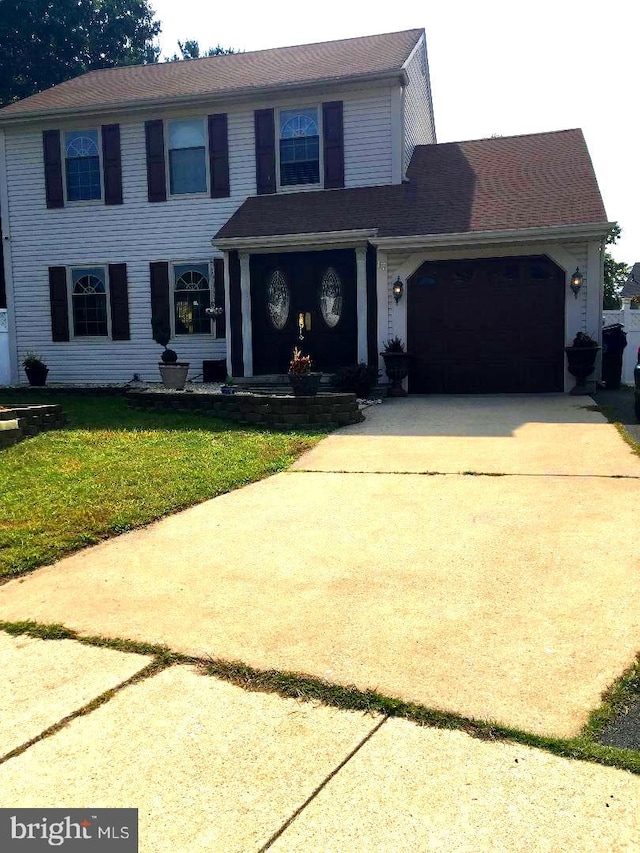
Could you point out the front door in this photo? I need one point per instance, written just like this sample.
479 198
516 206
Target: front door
303 299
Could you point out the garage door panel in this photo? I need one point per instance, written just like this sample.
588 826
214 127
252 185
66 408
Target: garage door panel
486 326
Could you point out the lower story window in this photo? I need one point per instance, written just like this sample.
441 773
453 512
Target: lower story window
89 302
192 296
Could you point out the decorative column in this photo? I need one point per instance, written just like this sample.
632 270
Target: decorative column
227 324
245 307
361 302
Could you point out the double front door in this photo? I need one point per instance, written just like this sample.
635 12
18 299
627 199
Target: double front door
305 300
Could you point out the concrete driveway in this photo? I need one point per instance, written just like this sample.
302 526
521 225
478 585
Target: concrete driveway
508 598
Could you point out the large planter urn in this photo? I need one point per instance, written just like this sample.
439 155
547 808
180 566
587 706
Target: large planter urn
174 375
581 362
305 384
396 365
37 375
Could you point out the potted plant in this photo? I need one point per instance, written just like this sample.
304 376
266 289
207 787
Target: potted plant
36 369
173 372
303 381
581 360
396 364
229 386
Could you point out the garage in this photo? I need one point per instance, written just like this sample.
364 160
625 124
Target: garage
486 326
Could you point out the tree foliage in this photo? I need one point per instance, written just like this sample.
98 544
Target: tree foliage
615 273
190 49
45 42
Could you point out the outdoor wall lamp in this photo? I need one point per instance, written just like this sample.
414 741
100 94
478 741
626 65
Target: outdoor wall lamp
398 290
576 282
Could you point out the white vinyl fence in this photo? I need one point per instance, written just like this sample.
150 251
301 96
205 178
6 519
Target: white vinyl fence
631 322
5 373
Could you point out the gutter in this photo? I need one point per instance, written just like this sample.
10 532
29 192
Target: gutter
248 93
361 235
472 238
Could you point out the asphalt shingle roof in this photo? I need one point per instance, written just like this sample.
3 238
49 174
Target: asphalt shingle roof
333 61
504 183
632 284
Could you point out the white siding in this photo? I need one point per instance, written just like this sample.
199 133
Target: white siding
418 118
367 140
138 232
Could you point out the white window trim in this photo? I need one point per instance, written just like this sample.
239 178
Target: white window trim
89 202
199 336
93 339
296 188
206 192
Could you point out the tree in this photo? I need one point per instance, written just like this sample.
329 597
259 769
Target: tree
615 273
190 49
45 42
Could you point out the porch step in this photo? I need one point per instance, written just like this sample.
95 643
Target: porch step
278 384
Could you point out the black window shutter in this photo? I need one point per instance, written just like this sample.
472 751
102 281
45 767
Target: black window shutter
218 283
156 175
119 298
160 308
59 304
219 156
265 151
333 133
53 168
112 164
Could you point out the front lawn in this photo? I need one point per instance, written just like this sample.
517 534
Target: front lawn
113 469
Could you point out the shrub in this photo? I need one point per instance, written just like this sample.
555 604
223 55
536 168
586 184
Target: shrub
356 379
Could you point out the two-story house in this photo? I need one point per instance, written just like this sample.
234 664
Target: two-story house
300 189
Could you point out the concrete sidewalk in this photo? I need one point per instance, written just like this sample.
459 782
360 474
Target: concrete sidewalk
492 597
212 767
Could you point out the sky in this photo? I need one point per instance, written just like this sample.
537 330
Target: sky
496 68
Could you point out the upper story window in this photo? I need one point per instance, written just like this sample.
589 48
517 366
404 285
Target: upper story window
89 302
192 296
187 157
82 162
299 147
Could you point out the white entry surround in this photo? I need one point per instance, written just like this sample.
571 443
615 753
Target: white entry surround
356 240
582 250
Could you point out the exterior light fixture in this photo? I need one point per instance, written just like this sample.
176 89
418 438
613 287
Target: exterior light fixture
576 282
398 290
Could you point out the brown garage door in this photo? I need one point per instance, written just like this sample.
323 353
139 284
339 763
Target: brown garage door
486 326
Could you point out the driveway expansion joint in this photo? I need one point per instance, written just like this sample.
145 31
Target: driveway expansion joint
466 474
321 786
147 671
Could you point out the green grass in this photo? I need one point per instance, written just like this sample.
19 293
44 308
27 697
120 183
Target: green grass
113 469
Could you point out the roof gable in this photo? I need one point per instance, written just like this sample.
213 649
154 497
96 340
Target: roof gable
334 61
631 286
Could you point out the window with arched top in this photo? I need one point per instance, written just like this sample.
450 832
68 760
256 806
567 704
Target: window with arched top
82 164
191 298
89 303
278 300
331 297
299 147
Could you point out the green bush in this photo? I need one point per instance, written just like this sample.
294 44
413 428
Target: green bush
356 379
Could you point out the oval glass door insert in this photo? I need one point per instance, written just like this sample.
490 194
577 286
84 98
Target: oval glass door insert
278 300
331 297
